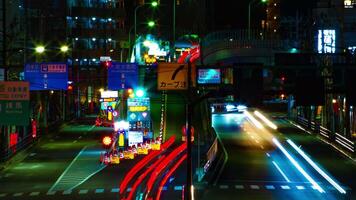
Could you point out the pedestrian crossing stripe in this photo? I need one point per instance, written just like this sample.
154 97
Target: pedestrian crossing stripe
176 188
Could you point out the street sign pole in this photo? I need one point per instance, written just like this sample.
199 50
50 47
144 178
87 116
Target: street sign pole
189 107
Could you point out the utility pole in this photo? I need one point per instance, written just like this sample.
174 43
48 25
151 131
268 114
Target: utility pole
189 108
4 38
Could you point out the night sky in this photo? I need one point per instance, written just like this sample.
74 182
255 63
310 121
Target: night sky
233 13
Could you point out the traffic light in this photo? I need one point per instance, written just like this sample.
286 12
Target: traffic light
106 64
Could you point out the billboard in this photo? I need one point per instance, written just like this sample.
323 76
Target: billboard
209 76
14 103
122 76
47 76
135 137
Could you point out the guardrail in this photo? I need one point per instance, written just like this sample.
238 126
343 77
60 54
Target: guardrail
334 138
11 151
238 39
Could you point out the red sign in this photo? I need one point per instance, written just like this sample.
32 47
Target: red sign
34 128
14 90
13 139
184 133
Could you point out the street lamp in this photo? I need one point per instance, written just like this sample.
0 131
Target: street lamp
64 48
40 49
150 24
153 4
249 15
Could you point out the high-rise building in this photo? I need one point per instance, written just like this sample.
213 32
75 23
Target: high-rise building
272 23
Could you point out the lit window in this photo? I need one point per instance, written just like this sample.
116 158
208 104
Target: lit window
326 41
94 39
275 4
348 3
274 30
275 17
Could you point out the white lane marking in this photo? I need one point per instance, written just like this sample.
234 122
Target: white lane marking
178 188
83 191
255 187
300 187
295 163
51 192
262 147
66 170
270 187
115 190
285 187
239 187
224 187
74 141
66 192
280 171
3 194
268 155
97 171
99 191
317 168
34 193
18 194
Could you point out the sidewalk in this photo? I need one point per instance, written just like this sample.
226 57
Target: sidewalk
53 130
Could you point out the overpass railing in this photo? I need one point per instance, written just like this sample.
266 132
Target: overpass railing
239 39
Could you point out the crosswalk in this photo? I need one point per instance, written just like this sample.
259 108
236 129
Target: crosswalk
83 166
237 187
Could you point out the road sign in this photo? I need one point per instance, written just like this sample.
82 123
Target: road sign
47 76
14 103
122 76
172 76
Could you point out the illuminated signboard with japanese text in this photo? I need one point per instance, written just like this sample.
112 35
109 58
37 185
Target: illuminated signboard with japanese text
209 76
47 76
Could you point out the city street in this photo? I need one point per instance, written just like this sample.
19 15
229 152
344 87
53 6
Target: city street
257 169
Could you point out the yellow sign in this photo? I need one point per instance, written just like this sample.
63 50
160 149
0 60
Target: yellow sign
138 108
172 76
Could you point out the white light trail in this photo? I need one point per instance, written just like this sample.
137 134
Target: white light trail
300 169
263 118
253 120
315 166
280 170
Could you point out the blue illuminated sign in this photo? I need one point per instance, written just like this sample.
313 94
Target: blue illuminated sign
122 76
47 76
209 76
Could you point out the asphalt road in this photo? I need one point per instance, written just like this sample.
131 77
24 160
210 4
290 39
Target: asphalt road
258 169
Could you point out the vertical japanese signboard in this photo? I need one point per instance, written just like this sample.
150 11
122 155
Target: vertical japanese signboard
14 103
122 76
47 76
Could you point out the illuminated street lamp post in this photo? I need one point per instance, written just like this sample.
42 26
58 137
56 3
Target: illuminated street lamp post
153 4
249 16
150 24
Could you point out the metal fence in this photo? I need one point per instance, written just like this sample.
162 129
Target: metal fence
334 138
